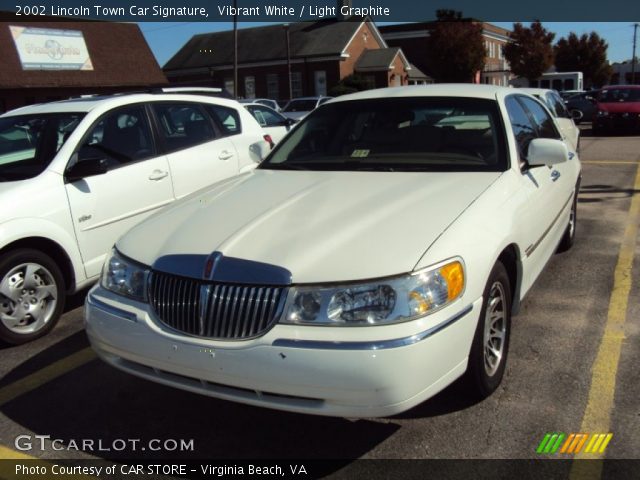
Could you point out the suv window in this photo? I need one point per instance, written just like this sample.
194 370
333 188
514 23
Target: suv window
122 136
228 119
523 130
183 125
266 117
543 121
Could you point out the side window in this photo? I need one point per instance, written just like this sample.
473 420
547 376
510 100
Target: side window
523 130
544 123
266 117
122 136
228 119
558 105
183 125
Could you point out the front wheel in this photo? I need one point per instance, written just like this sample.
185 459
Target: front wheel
488 355
31 295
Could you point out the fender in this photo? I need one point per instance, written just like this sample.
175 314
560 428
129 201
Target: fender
33 227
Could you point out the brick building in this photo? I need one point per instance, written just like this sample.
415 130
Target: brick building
321 53
44 61
412 39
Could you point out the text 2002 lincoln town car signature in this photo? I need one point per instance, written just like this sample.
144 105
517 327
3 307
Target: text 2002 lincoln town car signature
374 257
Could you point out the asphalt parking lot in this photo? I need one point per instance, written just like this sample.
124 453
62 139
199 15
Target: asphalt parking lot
573 367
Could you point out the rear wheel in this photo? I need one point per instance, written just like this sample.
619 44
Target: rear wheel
31 295
488 355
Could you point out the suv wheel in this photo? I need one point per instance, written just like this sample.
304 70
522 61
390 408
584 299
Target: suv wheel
31 295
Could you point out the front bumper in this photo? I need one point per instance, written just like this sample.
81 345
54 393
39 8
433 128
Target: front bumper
364 372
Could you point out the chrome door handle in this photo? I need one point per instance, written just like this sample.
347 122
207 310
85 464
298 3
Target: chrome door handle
158 175
225 155
555 175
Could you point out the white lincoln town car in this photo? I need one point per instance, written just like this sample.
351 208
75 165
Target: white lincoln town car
373 258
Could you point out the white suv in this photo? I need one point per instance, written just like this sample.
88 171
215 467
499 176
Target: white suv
76 174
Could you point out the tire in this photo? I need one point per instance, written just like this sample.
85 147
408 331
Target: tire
569 236
32 295
486 369
577 117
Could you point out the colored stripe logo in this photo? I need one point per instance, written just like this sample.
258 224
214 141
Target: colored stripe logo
574 443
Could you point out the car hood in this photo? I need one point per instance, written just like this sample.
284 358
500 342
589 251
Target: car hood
320 226
620 107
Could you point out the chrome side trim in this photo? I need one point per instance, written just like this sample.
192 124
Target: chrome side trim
532 248
111 310
373 345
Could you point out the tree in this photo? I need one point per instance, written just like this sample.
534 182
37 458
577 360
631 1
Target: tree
586 54
455 48
349 84
529 51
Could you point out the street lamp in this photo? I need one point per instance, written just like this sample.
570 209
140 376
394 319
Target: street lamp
286 34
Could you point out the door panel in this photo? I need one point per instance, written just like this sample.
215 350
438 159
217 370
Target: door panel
198 154
137 183
105 206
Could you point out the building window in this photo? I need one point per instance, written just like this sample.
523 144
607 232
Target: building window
250 87
228 85
296 84
320 81
273 84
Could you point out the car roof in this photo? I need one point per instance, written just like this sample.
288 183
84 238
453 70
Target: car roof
88 103
536 91
308 98
438 90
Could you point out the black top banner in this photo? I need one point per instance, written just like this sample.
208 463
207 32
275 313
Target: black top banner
311 10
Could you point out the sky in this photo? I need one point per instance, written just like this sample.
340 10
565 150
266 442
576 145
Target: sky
166 38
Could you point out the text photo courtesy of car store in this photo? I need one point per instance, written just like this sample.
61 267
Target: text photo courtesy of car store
45 61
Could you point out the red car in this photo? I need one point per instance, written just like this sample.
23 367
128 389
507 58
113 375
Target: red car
618 109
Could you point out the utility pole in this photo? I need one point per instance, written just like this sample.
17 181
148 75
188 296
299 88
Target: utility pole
633 56
235 49
288 49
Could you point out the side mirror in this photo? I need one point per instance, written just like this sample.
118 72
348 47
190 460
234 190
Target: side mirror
88 167
546 151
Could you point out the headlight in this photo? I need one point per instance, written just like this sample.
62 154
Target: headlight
603 113
125 277
380 302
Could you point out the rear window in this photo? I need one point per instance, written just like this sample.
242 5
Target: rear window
300 106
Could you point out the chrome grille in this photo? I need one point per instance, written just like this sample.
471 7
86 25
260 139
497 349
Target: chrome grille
213 310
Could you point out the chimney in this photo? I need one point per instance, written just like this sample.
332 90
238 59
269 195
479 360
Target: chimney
339 5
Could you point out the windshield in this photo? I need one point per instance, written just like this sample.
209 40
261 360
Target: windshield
28 143
614 95
399 134
300 106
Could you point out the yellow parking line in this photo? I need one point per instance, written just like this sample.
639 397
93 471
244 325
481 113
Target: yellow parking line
45 375
9 454
597 415
7 469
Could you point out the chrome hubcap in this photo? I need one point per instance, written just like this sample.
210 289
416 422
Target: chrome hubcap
28 298
495 329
